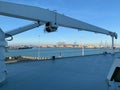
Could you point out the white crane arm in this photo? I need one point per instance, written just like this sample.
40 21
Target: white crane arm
21 29
45 16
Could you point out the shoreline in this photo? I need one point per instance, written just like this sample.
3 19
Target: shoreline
52 58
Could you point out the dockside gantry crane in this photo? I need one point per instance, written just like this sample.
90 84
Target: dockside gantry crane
51 19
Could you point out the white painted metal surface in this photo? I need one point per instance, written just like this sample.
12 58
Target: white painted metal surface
44 15
115 64
22 29
2 56
112 84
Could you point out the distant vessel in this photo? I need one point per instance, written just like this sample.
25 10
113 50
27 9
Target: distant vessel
25 47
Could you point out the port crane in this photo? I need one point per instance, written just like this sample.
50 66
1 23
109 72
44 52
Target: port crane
51 19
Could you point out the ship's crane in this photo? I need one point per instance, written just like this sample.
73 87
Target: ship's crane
51 19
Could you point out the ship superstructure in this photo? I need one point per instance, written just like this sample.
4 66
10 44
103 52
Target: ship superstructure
79 75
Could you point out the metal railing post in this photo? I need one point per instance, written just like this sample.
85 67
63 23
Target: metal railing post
113 45
83 51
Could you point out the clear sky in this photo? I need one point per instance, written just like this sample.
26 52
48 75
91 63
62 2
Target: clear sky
102 13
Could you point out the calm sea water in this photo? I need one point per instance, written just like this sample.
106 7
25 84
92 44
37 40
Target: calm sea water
48 52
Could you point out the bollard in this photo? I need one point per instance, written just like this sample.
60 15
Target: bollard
53 57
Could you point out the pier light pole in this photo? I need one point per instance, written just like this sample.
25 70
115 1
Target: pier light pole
38 47
83 50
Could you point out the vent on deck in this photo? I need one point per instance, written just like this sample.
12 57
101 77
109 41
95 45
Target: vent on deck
116 75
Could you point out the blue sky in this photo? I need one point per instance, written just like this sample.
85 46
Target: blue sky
102 13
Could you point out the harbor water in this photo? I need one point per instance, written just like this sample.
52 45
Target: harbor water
57 52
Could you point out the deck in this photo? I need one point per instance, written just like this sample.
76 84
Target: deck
74 73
